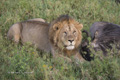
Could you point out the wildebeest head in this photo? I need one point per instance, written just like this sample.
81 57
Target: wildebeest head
84 48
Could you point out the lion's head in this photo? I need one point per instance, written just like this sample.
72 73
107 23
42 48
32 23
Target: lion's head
65 33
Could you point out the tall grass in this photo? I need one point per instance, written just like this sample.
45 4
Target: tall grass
19 62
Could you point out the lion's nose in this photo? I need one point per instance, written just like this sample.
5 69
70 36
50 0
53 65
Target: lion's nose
70 41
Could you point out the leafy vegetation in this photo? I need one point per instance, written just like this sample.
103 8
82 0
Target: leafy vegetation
19 62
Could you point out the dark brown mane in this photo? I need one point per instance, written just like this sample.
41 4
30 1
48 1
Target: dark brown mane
62 18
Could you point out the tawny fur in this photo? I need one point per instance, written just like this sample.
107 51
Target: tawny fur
37 19
32 31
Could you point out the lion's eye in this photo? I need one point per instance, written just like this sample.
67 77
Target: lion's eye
74 32
56 28
65 33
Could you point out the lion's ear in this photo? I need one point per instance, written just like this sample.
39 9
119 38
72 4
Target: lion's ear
80 26
55 27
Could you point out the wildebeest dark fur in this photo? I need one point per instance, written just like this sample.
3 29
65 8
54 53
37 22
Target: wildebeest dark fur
117 1
104 34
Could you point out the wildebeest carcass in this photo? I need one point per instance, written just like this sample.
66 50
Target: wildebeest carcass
104 35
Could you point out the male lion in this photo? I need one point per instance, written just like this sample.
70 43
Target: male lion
61 36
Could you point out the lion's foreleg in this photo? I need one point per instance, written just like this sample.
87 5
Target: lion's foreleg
78 57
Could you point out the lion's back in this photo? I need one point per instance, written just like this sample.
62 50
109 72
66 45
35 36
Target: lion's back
36 33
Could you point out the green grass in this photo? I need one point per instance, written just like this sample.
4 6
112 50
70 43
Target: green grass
26 63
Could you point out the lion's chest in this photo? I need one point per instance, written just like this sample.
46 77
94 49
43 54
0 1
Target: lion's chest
69 52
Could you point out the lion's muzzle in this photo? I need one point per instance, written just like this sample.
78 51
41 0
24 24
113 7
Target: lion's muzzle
71 47
71 43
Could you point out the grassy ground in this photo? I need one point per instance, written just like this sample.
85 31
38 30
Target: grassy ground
25 63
